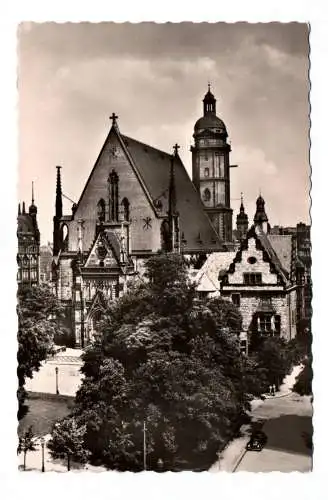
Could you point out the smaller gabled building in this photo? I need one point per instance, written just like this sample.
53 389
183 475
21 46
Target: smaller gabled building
259 278
258 283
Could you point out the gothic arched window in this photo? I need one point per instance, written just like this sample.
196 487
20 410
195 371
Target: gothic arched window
113 195
64 236
126 209
166 242
207 194
101 208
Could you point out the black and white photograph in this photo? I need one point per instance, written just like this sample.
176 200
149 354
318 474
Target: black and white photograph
164 291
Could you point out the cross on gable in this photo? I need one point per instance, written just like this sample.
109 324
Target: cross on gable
113 117
176 147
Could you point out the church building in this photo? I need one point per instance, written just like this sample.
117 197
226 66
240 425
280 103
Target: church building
137 201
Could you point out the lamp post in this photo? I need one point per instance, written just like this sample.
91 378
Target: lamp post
144 446
42 451
56 370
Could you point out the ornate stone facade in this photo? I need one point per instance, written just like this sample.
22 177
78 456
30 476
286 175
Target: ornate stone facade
28 236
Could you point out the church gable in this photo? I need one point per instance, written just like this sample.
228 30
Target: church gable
115 191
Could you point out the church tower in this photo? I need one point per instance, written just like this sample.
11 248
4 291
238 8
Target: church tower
260 218
211 167
242 221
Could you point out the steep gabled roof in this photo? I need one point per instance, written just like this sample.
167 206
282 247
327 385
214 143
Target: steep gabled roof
267 246
208 277
282 245
154 168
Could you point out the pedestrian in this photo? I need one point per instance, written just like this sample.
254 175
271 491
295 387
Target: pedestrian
270 389
274 389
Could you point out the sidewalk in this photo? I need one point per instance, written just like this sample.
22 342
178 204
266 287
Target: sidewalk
230 457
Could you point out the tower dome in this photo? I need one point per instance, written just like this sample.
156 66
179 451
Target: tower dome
260 218
260 215
209 120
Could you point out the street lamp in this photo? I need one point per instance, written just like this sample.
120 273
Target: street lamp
42 441
56 370
144 446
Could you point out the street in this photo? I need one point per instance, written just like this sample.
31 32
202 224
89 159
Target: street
287 422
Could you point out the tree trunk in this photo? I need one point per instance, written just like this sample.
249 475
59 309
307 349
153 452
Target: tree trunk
24 465
68 462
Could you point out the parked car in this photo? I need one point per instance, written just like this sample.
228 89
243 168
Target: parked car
257 441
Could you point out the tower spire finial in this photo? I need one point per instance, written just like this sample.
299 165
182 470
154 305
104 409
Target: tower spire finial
33 209
209 86
59 201
172 209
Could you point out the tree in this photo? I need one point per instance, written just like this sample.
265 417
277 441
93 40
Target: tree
303 383
26 443
67 441
167 359
38 311
272 360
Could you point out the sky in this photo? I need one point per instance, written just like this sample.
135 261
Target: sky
72 77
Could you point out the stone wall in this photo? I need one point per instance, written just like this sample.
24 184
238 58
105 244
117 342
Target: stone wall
250 303
65 279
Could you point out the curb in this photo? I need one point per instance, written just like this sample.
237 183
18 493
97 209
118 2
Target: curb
50 396
278 396
241 456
